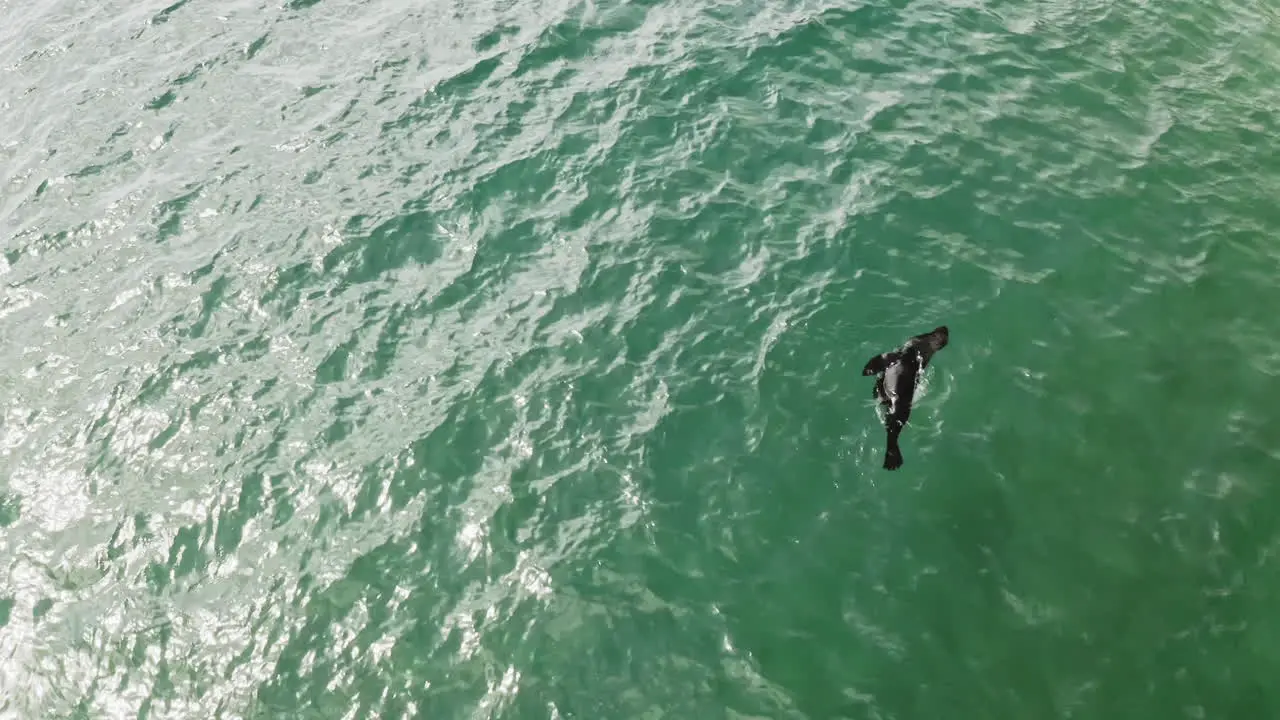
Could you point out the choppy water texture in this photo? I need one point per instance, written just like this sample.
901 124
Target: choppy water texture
500 359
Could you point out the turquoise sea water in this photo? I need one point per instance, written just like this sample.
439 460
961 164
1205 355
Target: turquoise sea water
501 359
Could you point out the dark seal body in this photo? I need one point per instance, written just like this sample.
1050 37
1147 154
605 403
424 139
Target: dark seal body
899 373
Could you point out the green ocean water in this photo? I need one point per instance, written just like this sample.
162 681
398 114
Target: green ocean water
367 359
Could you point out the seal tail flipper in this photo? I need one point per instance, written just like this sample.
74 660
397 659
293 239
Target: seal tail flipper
877 364
892 453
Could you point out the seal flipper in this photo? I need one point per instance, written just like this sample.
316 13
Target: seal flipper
892 453
878 363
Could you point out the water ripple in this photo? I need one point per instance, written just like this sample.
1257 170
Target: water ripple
500 360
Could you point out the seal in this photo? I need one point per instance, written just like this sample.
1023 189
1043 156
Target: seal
898 374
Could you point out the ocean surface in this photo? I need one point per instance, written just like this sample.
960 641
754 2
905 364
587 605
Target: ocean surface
501 359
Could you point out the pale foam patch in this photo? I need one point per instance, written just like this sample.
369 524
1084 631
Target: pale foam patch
54 491
15 299
21 652
741 666
500 692
749 271
528 578
17 430
211 627
136 428
635 505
